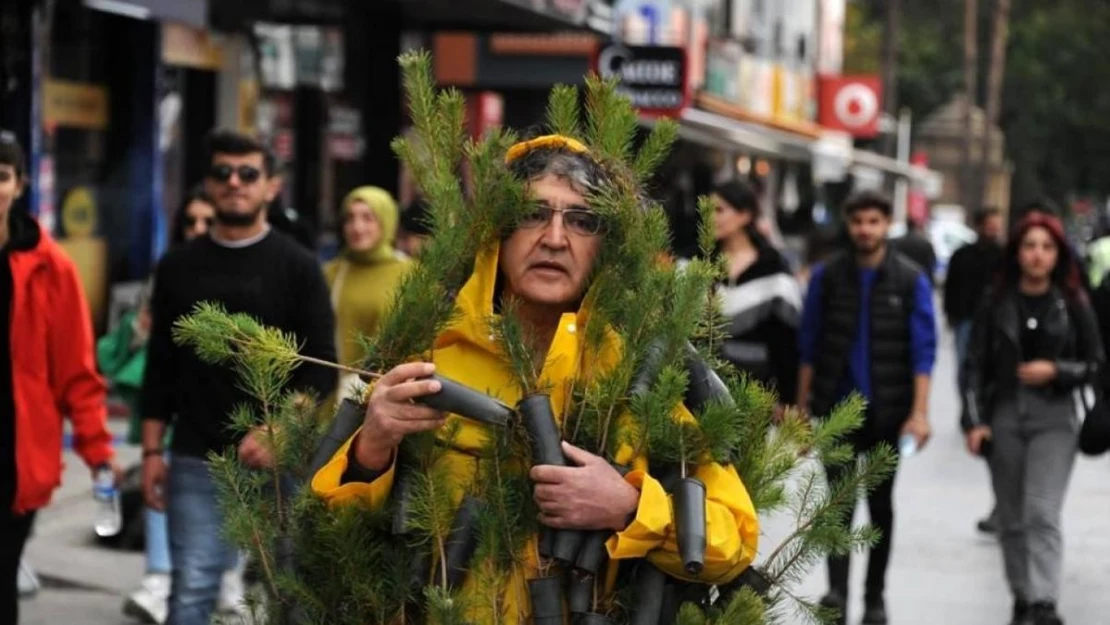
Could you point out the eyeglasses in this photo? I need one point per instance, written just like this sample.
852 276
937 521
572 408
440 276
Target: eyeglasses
247 173
577 220
191 222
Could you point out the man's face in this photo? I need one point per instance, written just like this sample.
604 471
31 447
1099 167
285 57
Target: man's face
548 259
868 228
240 187
11 186
992 228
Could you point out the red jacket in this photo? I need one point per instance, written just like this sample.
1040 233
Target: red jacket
54 366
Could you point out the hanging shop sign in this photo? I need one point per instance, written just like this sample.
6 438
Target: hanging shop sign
852 104
654 78
74 105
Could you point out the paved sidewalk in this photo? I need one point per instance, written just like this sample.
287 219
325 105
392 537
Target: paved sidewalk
942 571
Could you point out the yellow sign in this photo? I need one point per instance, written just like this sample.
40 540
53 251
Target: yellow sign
74 104
191 47
79 213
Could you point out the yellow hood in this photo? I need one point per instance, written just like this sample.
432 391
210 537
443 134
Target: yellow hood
467 352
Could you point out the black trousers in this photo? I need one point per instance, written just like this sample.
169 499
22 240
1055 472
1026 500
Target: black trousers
14 531
880 506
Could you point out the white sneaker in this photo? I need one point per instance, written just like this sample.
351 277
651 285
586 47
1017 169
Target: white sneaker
232 592
151 602
27 581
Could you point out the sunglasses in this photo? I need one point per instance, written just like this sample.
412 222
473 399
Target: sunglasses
247 174
191 222
577 220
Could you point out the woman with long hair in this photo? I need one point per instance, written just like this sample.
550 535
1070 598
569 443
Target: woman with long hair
759 296
1033 345
193 218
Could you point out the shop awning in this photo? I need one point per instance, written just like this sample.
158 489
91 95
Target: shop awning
716 130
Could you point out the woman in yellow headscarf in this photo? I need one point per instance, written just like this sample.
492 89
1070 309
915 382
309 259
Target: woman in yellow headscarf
367 271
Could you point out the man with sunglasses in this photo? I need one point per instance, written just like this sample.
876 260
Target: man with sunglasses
246 267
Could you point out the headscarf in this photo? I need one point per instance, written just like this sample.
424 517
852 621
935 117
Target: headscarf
385 209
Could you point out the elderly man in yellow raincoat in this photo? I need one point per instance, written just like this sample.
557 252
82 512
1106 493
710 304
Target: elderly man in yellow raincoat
545 264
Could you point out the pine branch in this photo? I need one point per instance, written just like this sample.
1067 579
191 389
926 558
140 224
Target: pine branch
562 111
655 148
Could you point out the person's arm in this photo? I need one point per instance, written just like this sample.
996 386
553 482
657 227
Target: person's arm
923 344
157 400
732 525
78 389
314 324
1086 366
809 333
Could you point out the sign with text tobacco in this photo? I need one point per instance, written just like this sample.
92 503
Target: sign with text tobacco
655 78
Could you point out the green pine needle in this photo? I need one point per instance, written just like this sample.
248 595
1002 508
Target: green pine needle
562 111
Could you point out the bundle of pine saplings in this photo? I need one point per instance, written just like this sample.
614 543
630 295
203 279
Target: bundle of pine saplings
404 562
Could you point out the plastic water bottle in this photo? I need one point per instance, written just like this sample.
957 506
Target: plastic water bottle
109 520
907 445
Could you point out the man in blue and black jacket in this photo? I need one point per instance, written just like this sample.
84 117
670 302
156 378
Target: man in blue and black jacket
868 327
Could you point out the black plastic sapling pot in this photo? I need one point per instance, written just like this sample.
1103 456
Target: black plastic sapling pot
539 421
546 594
347 419
461 541
689 519
704 383
649 594
464 401
580 592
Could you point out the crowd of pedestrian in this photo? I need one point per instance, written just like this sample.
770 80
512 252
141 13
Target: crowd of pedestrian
1026 335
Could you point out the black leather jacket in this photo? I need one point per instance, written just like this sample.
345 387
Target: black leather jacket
995 352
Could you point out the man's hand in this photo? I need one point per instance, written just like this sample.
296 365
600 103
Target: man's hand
1037 372
154 482
975 438
589 496
391 413
255 450
117 471
918 426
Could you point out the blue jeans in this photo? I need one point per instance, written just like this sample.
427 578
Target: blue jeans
198 549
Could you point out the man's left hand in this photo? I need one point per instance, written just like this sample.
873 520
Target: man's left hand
255 450
918 426
588 496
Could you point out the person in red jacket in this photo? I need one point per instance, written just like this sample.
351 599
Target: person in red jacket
47 372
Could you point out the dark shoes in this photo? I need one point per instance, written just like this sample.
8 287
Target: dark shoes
1044 613
988 526
836 601
874 613
1023 613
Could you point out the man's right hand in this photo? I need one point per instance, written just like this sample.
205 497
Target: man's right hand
391 413
154 482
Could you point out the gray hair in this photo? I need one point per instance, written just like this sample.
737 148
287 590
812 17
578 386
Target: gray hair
583 174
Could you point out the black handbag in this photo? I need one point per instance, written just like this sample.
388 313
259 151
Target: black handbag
1094 434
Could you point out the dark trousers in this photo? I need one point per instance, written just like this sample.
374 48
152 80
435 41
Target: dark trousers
14 531
880 506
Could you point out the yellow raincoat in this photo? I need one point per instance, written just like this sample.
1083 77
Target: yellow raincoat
467 352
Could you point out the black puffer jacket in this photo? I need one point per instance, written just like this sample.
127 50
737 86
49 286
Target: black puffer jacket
995 354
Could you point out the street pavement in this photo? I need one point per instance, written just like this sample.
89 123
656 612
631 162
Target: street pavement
942 572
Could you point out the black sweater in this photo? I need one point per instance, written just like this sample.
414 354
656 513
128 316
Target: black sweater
275 281
970 271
